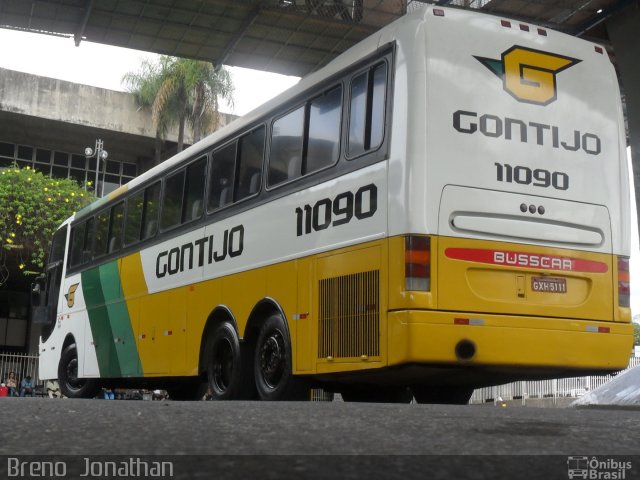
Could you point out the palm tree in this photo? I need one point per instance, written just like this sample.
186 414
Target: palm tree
207 86
181 91
144 85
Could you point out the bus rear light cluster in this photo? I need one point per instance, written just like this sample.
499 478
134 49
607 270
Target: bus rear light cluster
417 263
594 329
624 284
468 321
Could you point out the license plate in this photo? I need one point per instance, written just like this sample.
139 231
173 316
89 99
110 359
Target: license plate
549 284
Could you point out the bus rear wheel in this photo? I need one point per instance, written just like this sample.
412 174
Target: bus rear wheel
448 395
273 364
228 365
70 385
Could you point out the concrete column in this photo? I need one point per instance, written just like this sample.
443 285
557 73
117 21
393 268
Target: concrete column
623 32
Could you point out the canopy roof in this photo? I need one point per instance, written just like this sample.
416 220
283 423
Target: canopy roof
293 37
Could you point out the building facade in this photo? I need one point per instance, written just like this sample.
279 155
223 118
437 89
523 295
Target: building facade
47 124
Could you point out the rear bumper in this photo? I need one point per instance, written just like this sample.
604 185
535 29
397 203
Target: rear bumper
549 344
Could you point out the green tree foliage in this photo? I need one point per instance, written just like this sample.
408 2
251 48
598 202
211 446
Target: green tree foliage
31 208
636 334
180 91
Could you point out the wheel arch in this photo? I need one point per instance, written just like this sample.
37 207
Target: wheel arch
261 311
68 340
218 315
87 387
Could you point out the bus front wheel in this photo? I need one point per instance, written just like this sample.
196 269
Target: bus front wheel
228 366
273 364
70 385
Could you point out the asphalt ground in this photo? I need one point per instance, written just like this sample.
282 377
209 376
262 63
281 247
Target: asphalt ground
317 439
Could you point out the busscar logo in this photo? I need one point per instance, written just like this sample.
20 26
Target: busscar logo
71 295
527 74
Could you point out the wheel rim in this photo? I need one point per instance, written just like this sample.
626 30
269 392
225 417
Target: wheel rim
72 381
273 359
222 367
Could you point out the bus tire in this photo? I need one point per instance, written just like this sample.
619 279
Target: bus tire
70 385
448 395
377 394
228 365
273 364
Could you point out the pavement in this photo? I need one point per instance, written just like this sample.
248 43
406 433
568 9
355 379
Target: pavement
318 439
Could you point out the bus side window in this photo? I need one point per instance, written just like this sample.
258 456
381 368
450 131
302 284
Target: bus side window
367 110
101 233
77 242
54 267
250 163
323 145
194 191
221 177
378 105
150 211
115 230
88 240
133 221
56 254
171 214
285 159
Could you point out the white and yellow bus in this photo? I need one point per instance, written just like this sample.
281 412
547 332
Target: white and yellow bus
442 207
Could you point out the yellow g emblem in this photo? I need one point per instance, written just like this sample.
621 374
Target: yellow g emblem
71 295
529 75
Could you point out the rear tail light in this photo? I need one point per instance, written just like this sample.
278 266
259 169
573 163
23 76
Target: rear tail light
417 263
624 287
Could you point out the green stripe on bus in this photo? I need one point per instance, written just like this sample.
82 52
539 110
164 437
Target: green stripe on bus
110 324
99 322
123 339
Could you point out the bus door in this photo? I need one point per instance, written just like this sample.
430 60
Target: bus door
303 325
45 292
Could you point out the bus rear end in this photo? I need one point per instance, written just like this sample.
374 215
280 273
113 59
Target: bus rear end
513 257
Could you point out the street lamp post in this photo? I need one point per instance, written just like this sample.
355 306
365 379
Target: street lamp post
101 154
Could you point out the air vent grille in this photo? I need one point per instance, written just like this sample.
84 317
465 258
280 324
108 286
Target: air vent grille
350 316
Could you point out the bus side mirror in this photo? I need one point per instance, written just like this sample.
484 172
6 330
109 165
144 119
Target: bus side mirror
40 313
38 292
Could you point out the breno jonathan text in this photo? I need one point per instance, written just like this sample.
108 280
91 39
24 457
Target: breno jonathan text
86 467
